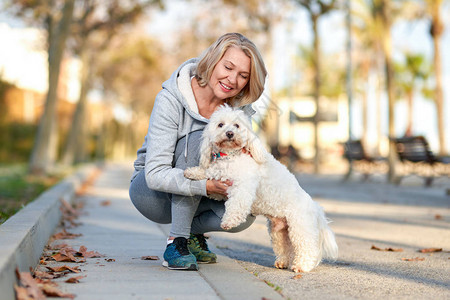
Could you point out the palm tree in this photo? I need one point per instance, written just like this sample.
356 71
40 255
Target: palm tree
317 9
436 31
367 28
382 13
408 76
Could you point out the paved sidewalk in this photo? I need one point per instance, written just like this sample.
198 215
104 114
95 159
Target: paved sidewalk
407 217
120 232
363 214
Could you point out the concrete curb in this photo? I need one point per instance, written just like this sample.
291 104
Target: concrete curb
24 235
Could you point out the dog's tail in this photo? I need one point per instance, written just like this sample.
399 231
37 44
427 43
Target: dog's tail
327 238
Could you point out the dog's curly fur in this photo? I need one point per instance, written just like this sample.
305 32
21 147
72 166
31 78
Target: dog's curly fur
263 186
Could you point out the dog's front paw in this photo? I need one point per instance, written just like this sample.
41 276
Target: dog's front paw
297 269
303 265
231 222
195 173
281 263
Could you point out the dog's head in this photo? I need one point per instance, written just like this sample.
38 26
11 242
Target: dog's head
228 130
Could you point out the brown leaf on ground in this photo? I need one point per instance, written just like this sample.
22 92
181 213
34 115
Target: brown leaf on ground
150 258
43 275
110 259
64 268
298 276
53 291
43 262
22 293
29 284
66 255
105 203
414 259
430 250
88 182
386 249
74 279
88 254
438 217
65 235
67 210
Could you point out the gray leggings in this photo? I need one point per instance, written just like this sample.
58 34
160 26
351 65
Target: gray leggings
194 214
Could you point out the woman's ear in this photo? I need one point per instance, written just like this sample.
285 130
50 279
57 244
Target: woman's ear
256 148
205 151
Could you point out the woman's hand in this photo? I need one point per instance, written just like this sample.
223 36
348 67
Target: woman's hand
217 187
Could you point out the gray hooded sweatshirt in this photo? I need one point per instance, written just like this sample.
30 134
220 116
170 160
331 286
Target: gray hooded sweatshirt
174 116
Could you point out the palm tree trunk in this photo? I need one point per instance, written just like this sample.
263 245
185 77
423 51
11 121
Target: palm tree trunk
409 126
379 104
387 49
316 59
436 30
43 156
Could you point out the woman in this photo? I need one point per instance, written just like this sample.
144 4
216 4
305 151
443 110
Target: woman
230 71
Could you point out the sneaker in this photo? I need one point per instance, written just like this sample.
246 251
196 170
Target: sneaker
178 257
197 245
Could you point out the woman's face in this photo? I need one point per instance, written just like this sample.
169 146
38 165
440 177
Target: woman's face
231 74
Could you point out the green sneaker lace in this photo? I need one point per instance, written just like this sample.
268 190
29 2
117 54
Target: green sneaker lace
201 240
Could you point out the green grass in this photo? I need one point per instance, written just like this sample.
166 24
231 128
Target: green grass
17 189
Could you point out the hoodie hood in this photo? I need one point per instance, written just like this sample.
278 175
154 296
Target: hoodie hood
179 85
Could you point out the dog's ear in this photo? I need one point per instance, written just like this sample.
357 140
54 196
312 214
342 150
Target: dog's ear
256 149
205 152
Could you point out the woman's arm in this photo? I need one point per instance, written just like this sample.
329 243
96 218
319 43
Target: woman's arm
161 142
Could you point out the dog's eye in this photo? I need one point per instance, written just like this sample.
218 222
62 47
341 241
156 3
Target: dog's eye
236 125
220 125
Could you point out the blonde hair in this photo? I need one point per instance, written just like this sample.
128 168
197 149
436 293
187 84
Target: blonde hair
209 59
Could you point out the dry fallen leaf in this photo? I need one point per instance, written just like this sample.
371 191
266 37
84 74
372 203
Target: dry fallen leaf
43 275
414 259
30 285
110 259
88 254
150 258
105 203
430 250
22 293
53 291
64 268
68 210
74 279
438 217
65 235
66 256
386 249
298 276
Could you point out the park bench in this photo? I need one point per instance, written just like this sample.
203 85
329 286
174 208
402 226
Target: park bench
416 158
359 161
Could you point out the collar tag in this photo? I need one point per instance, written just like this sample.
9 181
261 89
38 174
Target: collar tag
218 155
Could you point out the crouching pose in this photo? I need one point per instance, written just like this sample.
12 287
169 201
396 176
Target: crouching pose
230 71
298 227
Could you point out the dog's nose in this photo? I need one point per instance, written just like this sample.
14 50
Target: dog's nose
229 134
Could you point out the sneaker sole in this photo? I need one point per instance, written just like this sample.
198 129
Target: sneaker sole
206 262
192 267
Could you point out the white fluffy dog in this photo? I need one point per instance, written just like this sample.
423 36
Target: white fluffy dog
263 186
